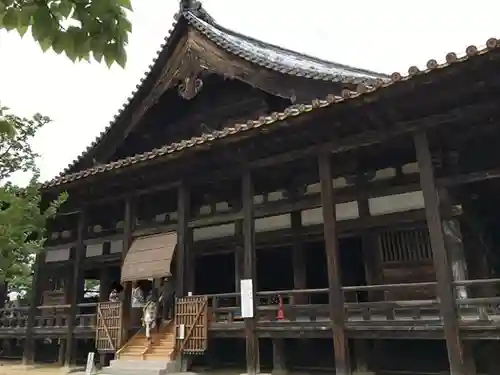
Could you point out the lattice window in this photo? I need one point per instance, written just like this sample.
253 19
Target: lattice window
405 246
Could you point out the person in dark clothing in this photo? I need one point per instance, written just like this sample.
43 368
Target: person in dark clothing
168 297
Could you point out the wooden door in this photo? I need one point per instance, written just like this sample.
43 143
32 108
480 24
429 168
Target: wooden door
191 324
109 327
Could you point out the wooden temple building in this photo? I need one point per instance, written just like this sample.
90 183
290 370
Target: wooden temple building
366 220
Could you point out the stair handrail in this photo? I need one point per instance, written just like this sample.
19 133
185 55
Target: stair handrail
127 343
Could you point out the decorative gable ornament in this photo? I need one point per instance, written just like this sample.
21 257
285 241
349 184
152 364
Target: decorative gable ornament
190 87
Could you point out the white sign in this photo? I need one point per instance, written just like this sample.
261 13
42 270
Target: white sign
246 290
89 368
182 328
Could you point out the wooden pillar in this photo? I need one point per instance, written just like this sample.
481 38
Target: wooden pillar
61 352
298 257
454 243
445 289
279 357
29 343
104 284
362 358
3 293
238 256
182 254
370 249
75 285
249 263
128 228
336 300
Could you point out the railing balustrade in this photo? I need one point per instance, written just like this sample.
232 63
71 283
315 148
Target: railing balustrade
367 304
364 305
48 317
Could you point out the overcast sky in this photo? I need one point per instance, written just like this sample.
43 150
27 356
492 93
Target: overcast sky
384 35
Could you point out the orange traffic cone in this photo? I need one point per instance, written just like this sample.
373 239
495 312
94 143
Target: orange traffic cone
281 314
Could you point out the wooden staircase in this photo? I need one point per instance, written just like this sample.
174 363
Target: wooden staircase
162 347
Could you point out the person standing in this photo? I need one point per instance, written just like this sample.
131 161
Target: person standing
169 297
150 317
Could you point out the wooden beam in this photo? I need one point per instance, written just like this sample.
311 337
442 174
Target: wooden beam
475 112
445 288
79 255
372 137
336 300
252 341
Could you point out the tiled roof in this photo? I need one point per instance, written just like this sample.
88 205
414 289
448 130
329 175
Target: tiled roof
277 58
258 52
266 121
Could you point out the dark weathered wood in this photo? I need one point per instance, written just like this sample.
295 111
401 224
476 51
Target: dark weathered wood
104 284
370 248
454 243
362 351
75 285
182 256
36 284
445 289
249 262
128 228
336 301
182 253
279 357
298 256
238 255
61 352
3 293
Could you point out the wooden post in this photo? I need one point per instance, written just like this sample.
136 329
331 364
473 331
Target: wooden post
445 288
370 248
298 257
78 256
279 357
454 244
3 293
29 344
128 228
336 300
252 341
183 214
182 254
61 352
362 358
238 256
104 284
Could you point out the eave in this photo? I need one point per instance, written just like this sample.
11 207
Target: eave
363 93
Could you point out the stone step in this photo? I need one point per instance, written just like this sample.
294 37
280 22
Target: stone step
161 350
111 371
120 363
133 351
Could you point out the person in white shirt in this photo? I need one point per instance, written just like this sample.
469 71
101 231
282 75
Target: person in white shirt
149 317
137 297
114 296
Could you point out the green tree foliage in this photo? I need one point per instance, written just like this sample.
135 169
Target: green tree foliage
82 29
22 221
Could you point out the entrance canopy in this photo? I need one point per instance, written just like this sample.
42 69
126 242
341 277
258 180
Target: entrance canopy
149 257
